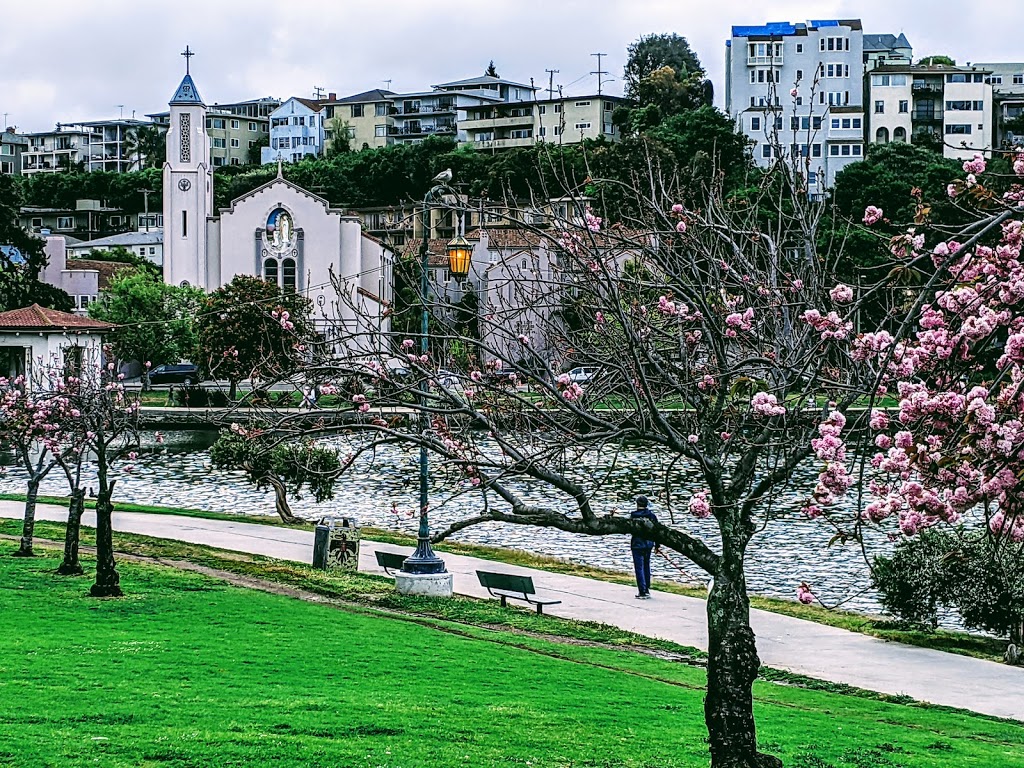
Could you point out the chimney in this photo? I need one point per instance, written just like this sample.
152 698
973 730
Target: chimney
332 96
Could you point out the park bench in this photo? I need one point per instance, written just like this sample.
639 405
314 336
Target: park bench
389 560
506 585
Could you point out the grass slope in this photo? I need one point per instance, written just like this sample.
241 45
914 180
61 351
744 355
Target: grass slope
188 671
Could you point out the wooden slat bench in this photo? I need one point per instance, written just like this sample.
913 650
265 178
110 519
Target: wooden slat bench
506 585
390 560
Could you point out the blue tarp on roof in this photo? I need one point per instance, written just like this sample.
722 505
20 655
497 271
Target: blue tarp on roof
775 28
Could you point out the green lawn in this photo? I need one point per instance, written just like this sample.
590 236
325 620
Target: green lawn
188 671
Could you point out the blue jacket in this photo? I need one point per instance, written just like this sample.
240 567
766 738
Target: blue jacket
638 542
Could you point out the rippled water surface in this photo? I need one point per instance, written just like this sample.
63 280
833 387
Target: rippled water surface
788 551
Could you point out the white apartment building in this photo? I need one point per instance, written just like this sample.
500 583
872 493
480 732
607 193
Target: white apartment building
296 131
934 104
99 145
823 122
564 120
1007 81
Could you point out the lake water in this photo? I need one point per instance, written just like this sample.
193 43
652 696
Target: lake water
788 551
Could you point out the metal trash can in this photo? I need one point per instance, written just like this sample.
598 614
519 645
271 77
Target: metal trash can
336 545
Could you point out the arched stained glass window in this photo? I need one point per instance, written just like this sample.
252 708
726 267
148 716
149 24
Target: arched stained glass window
288 275
270 271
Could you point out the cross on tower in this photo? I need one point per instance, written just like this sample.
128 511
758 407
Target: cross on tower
188 55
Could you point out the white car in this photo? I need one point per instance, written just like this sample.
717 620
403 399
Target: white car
582 374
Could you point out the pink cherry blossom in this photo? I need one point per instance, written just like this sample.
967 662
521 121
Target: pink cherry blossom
872 215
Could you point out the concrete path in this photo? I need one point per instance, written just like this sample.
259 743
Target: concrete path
783 642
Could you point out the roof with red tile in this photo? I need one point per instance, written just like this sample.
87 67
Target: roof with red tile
36 318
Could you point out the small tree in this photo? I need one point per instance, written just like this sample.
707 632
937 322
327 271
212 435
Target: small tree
37 425
154 322
249 329
283 466
491 70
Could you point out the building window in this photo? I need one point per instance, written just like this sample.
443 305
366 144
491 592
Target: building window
115 221
856 150
526 133
558 107
542 131
882 136
879 107
37 223
582 126
380 110
288 275
833 150
152 251
755 123
960 129
65 222
766 151
252 144
816 150
252 127
380 130
899 134
216 122
184 223
904 106
856 122
270 271
799 49
835 123
1017 79
582 103
235 143
234 124
357 110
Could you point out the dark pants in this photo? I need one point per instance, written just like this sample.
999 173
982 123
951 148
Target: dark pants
642 568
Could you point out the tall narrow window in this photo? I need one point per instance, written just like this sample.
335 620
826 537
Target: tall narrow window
270 271
184 223
288 281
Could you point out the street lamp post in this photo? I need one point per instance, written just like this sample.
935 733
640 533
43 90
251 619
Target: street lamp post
424 561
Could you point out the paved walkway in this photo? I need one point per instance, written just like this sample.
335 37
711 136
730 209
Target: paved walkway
783 642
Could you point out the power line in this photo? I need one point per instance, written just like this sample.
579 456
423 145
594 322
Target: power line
318 92
599 71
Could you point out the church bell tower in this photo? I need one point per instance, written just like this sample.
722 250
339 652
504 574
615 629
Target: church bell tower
188 187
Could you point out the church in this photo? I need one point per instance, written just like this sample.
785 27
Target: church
278 231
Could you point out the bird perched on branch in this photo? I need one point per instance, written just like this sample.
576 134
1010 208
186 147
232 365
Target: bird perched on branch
443 177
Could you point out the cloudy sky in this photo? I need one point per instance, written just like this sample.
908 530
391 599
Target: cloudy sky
67 60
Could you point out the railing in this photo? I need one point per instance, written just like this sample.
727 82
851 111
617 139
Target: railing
926 115
417 130
926 88
774 61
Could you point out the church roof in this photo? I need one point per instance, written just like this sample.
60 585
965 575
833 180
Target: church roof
187 93
37 318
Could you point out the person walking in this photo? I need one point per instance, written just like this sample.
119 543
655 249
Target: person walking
641 549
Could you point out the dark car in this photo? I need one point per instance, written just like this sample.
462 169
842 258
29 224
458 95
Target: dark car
181 373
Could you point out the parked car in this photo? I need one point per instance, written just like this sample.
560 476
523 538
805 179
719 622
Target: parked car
582 374
180 373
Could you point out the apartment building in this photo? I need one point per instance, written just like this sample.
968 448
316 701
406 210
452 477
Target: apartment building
88 220
824 121
367 118
99 145
1007 81
884 50
564 120
11 147
296 131
935 105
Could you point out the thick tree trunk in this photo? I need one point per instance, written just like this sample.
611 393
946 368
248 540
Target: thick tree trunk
72 535
108 581
732 665
28 529
281 500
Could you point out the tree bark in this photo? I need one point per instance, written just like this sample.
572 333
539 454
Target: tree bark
732 661
108 581
281 500
29 527
72 535
232 390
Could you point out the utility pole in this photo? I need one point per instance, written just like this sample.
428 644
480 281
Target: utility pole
387 82
5 120
551 82
145 197
318 92
599 71
120 108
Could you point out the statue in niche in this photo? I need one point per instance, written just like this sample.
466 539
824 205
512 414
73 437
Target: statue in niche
280 231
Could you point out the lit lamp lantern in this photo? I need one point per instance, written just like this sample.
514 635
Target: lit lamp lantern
460 254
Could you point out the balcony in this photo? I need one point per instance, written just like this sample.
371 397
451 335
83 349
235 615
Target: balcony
421 130
764 61
497 122
922 87
440 108
926 116
505 143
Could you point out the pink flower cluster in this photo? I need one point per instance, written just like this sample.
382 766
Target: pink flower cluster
872 215
765 404
830 326
361 403
804 594
841 294
736 321
593 222
975 165
699 505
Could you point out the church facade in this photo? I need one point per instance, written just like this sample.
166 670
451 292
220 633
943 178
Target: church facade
278 231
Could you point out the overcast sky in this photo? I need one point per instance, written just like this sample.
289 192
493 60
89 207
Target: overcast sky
68 60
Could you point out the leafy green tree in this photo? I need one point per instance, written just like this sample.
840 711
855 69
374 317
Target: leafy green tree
705 143
22 258
663 72
341 138
147 145
249 329
931 61
285 467
155 321
121 255
256 150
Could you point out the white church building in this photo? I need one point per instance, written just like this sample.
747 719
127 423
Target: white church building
278 231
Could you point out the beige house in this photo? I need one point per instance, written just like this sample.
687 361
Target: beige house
565 120
367 117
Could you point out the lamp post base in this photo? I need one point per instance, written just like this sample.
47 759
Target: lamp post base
424 584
